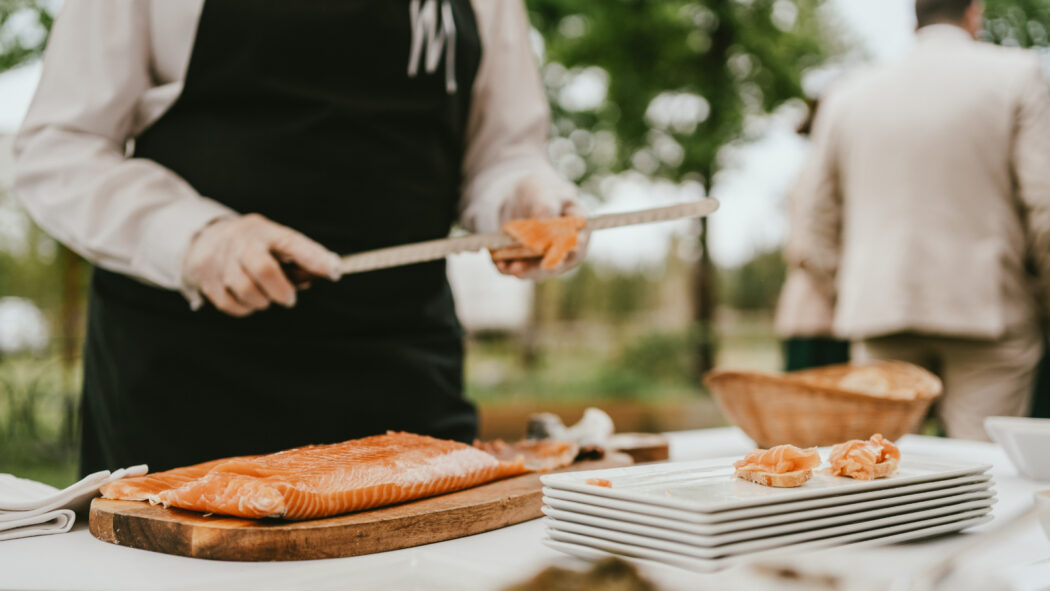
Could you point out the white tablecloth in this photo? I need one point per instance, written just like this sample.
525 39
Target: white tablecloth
492 560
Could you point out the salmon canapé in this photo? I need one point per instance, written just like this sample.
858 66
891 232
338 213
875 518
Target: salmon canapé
865 460
781 466
552 238
322 480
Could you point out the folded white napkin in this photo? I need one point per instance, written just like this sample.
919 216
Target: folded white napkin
29 508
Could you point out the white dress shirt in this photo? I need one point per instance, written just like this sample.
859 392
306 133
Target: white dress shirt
113 67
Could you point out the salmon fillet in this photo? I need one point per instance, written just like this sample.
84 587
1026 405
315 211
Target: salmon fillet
324 480
141 488
552 238
864 460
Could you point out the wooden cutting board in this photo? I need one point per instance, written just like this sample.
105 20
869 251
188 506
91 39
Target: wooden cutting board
187 533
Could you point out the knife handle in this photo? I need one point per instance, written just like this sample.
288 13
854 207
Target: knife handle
512 253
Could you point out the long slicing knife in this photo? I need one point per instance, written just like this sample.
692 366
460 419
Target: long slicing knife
431 250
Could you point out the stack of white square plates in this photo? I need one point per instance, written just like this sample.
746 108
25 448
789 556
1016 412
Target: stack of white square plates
699 516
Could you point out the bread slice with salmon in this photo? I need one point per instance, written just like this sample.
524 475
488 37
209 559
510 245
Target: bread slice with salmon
783 466
874 458
774 480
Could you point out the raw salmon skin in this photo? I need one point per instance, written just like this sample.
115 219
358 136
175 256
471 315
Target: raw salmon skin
858 458
779 460
323 480
554 238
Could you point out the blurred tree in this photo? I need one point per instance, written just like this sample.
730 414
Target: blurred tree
756 284
40 269
1021 23
676 80
49 275
574 293
24 25
30 270
25 268
657 357
608 296
626 294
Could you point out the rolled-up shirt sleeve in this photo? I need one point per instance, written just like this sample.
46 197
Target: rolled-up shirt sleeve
72 174
509 122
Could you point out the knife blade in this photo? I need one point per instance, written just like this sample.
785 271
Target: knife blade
431 250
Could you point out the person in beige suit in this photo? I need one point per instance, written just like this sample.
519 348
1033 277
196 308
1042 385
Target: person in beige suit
930 210
806 306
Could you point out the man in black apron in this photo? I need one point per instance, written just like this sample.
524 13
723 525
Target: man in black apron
303 112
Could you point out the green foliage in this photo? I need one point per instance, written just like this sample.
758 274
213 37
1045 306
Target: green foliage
38 396
682 78
756 284
581 363
610 296
1021 23
37 419
33 273
23 31
662 358
721 61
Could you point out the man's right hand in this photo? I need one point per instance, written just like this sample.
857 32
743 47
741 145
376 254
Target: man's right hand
236 263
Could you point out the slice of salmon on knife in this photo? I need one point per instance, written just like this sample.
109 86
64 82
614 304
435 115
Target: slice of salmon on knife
552 239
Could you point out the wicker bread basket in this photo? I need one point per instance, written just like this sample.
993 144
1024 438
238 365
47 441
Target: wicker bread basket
826 405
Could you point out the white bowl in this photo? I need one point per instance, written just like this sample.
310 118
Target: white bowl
1042 505
1026 441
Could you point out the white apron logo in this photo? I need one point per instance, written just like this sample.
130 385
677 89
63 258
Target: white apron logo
431 38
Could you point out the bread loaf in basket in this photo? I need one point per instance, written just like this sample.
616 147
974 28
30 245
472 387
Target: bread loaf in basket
827 405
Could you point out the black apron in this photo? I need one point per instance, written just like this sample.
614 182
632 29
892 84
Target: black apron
318 115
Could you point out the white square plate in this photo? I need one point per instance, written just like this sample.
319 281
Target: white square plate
735 531
786 511
708 486
743 542
595 549
798 519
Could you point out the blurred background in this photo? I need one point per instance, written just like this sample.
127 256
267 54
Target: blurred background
655 101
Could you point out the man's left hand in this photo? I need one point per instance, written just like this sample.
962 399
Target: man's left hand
528 204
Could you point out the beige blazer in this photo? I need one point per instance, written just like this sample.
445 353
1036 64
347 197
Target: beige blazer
929 206
806 306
